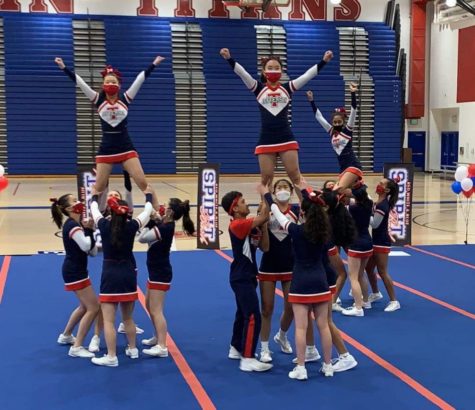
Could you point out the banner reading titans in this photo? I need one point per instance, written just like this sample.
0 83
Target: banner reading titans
208 206
401 217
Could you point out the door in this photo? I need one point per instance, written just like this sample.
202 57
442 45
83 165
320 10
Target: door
449 149
417 142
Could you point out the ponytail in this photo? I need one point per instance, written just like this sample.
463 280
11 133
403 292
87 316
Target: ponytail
181 209
58 209
392 195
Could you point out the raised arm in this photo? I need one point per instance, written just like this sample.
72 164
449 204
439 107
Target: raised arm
246 78
148 235
128 191
281 218
299 82
95 212
351 120
144 216
88 91
318 115
131 93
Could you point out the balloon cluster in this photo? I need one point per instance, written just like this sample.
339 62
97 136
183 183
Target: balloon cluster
3 179
464 180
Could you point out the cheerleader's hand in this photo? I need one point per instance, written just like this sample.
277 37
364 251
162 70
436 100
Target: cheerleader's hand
353 87
87 223
59 61
225 53
310 95
328 56
148 190
158 60
262 189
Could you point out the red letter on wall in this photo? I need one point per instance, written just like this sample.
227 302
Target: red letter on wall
38 6
317 9
147 8
347 10
219 10
10 5
250 13
61 6
184 8
272 12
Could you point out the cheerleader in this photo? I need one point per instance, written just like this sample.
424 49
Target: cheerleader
159 235
359 252
276 265
78 244
309 290
341 134
113 106
273 98
387 191
119 278
246 234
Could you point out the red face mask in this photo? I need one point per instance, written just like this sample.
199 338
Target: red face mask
111 89
380 190
273 76
78 208
162 210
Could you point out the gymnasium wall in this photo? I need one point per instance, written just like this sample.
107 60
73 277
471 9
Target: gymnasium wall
40 100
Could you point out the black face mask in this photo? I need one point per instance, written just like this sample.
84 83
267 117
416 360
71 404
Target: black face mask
338 128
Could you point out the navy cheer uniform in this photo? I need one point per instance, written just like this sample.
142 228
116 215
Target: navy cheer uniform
381 239
309 279
116 145
278 261
159 237
276 134
119 276
74 269
242 276
362 246
342 141
331 274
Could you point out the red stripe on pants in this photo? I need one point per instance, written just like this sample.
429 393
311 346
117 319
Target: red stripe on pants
249 337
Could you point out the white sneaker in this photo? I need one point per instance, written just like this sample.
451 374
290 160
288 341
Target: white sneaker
80 352
327 370
156 351
344 363
150 342
366 305
373 297
253 365
94 344
234 353
284 343
310 356
352 311
121 329
266 356
132 353
336 307
338 301
106 360
392 306
66 340
299 373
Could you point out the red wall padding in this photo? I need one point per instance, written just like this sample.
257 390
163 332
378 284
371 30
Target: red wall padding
466 65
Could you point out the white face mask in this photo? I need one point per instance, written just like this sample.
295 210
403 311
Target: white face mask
282 196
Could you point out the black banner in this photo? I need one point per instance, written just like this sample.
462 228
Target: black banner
401 217
86 179
208 206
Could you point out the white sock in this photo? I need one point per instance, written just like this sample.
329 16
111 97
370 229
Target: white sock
311 348
264 345
344 355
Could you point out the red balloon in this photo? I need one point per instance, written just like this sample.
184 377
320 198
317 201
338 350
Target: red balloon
3 183
471 170
468 194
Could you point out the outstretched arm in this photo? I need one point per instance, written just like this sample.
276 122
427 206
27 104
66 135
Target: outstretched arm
318 115
281 218
88 91
299 82
351 120
144 216
131 93
246 78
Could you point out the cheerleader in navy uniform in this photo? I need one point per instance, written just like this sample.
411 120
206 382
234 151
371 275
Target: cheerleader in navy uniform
247 234
159 235
276 265
341 134
359 252
276 137
119 278
113 106
78 244
387 191
309 290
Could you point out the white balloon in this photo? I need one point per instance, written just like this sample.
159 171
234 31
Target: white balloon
2 171
461 173
467 184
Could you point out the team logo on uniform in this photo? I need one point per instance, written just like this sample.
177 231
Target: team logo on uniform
274 101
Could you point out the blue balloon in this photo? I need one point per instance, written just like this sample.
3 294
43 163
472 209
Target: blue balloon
457 187
473 180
